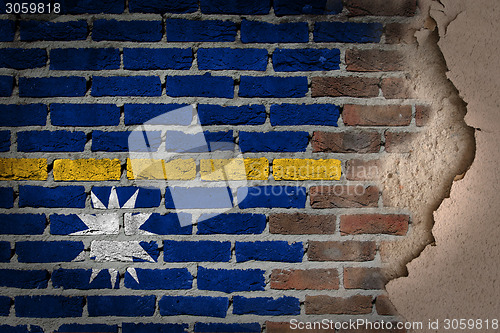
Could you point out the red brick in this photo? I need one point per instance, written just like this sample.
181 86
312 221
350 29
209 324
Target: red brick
341 251
373 60
363 170
400 142
396 88
344 196
397 33
284 327
422 115
346 142
376 115
345 86
384 306
381 7
316 279
323 304
374 224
363 278
301 224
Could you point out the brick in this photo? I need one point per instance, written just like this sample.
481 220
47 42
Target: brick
163 279
341 251
162 7
281 251
69 86
381 7
48 306
38 196
398 33
181 142
187 251
154 328
126 86
266 306
200 86
292 60
179 169
222 327
6 85
5 251
156 114
179 30
263 32
316 279
346 142
23 169
302 114
230 280
126 141
306 169
298 7
46 252
396 88
254 114
84 279
363 278
400 142
272 86
347 32
422 115
91 59
374 224
50 141
144 197
384 306
154 223
194 306
90 169
53 31
84 115
5 303
198 197
373 60
84 224
22 224
354 305
240 7
144 59
22 58
127 31
24 279
301 224
122 306
6 197
124 251
231 224
93 7
344 196
4 142
236 59
271 197
21 328
234 169
282 141
89 328
357 169
7 30
349 86
377 115
12 115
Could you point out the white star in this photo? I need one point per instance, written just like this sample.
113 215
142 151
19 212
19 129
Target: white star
133 223
105 224
126 251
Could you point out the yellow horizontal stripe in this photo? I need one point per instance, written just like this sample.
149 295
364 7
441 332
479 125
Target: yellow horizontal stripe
180 169
87 169
23 169
235 169
306 169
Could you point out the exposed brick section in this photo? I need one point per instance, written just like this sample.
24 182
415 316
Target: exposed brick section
396 88
363 278
354 305
346 142
377 115
374 224
343 196
398 33
350 86
363 169
422 115
381 7
341 251
400 142
318 279
298 223
374 60
384 306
